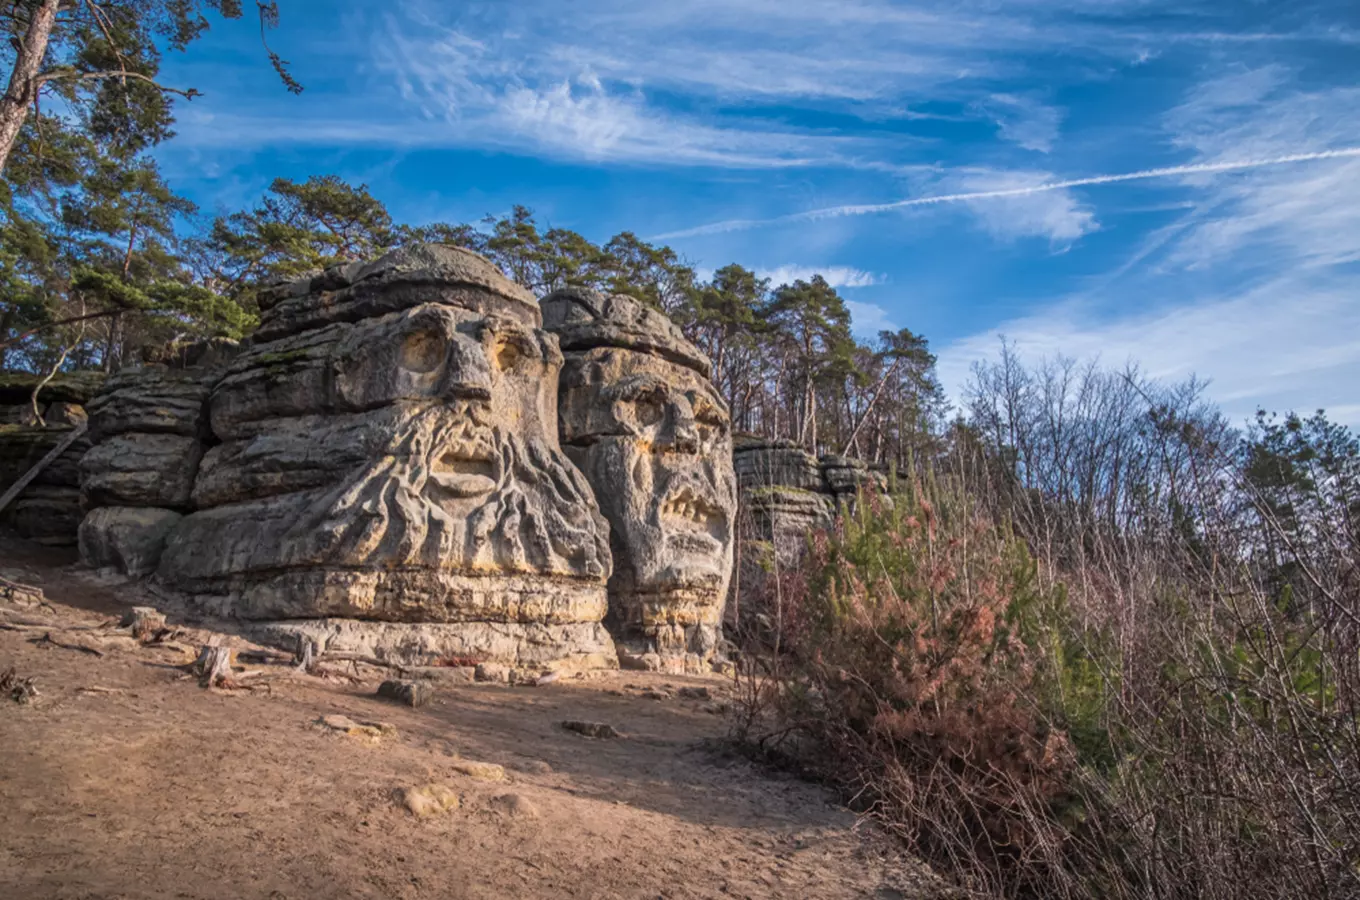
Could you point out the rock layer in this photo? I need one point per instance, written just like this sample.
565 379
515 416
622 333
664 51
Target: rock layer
149 431
786 495
640 418
49 509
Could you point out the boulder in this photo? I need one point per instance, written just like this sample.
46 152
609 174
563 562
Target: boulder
47 515
16 388
140 469
584 319
404 278
152 400
128 539
776 463
845 477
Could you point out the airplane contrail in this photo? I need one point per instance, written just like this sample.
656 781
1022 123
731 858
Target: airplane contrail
832 212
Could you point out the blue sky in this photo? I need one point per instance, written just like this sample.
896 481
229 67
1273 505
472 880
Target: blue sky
785 134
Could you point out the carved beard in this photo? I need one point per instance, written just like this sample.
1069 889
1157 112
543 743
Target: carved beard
533 514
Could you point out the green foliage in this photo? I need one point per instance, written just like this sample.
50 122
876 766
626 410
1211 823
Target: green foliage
295 229
103 60
923 665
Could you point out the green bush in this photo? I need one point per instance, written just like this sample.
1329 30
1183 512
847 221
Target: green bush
921 665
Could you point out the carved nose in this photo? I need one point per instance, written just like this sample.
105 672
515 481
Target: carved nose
684 433
469 373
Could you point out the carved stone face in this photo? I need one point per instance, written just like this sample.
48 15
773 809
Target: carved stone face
653 438
432 448
471 479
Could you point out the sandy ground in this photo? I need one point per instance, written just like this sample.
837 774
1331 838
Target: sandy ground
126 779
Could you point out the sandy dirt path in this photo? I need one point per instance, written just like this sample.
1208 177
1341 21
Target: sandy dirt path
124 779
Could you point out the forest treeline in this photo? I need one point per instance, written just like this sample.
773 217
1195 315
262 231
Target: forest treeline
100 257
102 265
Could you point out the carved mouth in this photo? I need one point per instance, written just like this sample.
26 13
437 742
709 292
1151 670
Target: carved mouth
693 521
465 471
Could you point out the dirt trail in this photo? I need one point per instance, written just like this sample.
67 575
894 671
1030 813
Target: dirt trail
153 787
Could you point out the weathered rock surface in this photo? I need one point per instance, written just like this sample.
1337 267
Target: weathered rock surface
787 494
389 462
49 509
137 469
153 400
584 320
149 430
128 539
16 388
764 464
411 276
639 417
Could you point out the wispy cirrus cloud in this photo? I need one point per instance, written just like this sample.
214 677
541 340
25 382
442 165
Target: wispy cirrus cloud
683 84
836 276
1282 344
865 209
1254 286
1025 121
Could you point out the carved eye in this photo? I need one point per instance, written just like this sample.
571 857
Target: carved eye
422 351
649 410
509 357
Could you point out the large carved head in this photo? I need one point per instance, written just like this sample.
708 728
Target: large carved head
400 430
640 417
465 472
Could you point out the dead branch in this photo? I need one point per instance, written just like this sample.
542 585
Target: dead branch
14 590
64 75
48 640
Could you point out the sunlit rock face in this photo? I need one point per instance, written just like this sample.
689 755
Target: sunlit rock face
642 421
388 452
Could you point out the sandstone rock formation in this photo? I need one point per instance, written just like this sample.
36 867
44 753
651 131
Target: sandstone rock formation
49 509
388 476
149 430
640 418
786 494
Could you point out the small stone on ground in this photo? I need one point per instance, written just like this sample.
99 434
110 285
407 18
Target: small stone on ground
478 771
516 806
591 729
430 800
412 693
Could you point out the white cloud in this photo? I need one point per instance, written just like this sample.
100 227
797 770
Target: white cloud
868 319
1025 121
676 83
1296 217
1025 187
1254 288
1010 208
836 276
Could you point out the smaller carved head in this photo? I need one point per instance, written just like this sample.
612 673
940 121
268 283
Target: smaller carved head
653 439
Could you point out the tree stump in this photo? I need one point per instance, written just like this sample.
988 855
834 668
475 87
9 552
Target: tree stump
306 654
145 622
214 666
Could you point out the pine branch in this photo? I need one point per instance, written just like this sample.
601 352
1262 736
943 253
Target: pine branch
62 74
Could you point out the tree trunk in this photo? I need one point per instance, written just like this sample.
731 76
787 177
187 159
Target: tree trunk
23 81
6 322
